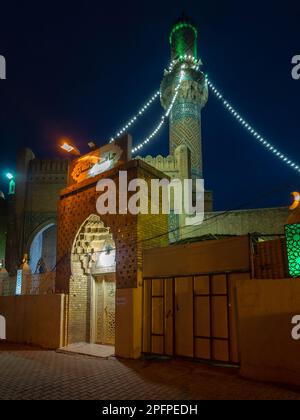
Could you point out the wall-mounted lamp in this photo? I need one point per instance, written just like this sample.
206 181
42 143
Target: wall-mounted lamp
68 147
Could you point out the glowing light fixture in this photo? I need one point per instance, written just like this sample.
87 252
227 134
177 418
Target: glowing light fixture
108 258
12 183
19 282
296 202
292 235
67 146
9 176
182 25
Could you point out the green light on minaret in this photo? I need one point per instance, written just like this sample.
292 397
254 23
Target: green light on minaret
183 40
185 115
181 26
292 235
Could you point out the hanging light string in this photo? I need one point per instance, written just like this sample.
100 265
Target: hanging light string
194 63
134 119
251 130
164 117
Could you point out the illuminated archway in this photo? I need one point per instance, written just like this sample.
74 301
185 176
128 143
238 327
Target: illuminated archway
93 264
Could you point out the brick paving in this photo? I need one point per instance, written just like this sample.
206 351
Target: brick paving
29 373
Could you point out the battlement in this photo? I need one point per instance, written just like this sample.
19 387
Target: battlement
163 164
48 170
175 166
168 165
46 166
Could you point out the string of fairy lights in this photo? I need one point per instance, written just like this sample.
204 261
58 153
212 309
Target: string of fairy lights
134 119
163 118
255 134
250 129
143 109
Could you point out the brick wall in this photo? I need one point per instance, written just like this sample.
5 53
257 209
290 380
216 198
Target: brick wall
77 203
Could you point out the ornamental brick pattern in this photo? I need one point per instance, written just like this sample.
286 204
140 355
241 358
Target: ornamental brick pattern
130 232
185 117
188 131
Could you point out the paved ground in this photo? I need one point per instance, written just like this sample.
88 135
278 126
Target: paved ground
28 373
88 349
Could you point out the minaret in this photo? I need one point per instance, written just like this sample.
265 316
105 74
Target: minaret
185 117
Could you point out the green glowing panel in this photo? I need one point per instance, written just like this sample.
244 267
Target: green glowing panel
180 46
12 187
292 235
181 26
184 40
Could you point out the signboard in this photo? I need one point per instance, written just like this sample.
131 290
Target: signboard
101 160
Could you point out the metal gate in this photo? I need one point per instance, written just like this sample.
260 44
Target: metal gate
192 316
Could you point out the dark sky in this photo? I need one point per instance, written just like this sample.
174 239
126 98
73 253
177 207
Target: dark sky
82 69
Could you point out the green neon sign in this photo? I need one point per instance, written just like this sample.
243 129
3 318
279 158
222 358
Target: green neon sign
292 235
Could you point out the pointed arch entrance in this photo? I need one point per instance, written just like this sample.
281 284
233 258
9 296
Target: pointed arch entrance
42 250
93 266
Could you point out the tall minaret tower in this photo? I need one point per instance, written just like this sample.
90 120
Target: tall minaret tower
185 117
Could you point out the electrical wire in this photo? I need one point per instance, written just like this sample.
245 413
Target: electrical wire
196 228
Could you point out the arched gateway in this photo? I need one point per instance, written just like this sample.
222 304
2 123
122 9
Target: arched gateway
99 258
93 262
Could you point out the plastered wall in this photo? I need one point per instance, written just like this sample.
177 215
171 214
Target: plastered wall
36 320
265 310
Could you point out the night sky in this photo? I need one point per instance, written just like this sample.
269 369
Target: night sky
82 69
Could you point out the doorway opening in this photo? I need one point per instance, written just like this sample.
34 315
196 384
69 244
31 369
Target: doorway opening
94 265
105 292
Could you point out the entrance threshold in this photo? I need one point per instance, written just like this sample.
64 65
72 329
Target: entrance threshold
87 349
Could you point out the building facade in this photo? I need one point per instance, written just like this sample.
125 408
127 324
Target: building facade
32 212
99 259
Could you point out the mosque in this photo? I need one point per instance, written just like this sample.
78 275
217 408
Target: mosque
33 209
102 263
